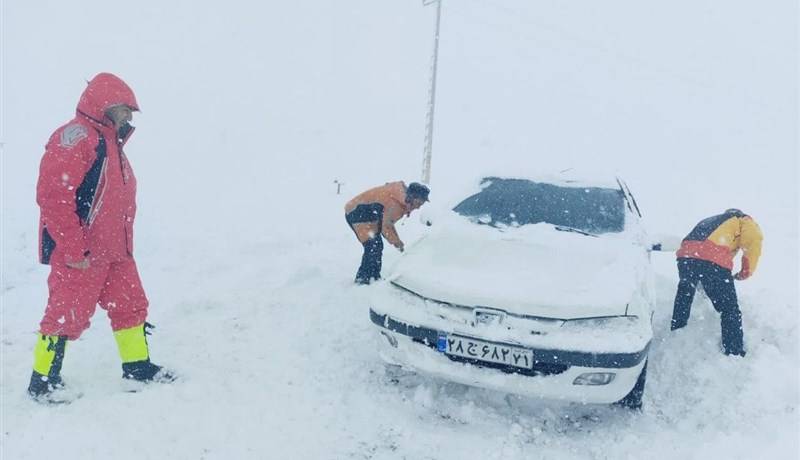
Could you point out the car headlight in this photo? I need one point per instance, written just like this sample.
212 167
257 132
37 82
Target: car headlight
412 298
599 324
395 293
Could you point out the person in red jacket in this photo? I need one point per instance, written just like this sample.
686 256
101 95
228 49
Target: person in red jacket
87 196
373 213
706 257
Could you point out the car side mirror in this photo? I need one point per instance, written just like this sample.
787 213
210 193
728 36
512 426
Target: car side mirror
665 243
427 216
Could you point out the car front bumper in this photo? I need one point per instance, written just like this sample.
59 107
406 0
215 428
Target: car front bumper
553 375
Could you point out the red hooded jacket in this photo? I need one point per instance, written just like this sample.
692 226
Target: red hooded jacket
86 189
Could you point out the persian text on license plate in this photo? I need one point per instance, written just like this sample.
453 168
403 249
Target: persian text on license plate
467 347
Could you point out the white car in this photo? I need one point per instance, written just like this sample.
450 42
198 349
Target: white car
538 287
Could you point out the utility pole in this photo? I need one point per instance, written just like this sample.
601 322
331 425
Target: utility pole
426 160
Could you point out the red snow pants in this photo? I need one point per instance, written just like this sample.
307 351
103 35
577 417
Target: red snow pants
74 295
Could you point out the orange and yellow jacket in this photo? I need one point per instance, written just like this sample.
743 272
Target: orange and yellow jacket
718 238
393 198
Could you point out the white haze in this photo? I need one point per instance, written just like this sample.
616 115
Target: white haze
250 111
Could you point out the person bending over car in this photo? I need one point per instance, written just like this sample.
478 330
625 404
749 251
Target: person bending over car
706 257
373 213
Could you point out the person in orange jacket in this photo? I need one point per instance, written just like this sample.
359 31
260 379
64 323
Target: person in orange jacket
373 213
706 257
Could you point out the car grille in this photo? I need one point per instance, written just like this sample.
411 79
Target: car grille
539 369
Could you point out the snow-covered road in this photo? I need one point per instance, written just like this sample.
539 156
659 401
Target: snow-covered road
276 361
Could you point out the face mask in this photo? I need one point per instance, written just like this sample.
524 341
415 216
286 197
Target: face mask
124 130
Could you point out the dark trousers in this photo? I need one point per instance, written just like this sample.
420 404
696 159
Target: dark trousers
718 284
372 259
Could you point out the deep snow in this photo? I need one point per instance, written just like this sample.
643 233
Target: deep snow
251 111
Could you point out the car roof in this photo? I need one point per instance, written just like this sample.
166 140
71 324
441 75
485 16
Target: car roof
566 178
453 189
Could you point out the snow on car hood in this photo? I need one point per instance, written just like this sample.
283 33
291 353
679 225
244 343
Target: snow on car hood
534 270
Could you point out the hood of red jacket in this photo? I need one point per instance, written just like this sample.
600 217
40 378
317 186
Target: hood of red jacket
103 91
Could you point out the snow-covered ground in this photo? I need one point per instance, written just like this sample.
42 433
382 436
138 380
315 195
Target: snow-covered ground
252 110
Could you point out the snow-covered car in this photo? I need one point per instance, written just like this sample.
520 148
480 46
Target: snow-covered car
538 287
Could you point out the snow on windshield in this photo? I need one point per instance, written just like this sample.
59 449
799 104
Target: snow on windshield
515 202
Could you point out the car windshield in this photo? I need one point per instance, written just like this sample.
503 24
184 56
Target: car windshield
516 202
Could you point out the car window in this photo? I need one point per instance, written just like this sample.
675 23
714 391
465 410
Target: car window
516 202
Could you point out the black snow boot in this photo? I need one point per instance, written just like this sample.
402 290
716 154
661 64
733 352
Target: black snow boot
42 385
135 354
145 371
46 376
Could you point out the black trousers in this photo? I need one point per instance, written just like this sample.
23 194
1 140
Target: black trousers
718 284
372 259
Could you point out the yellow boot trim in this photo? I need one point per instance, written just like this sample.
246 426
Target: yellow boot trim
44 353
132 344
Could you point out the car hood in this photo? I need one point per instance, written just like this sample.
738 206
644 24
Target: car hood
543 273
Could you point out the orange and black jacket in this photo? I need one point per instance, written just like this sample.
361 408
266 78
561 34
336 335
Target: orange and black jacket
392 197
718 238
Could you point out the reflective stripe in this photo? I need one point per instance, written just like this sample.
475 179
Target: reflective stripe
132 344
97 201
48 354
72 135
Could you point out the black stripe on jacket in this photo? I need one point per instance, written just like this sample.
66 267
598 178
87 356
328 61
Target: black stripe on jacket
706 227
87 191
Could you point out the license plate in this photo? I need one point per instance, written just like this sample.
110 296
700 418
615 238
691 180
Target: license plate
467 347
